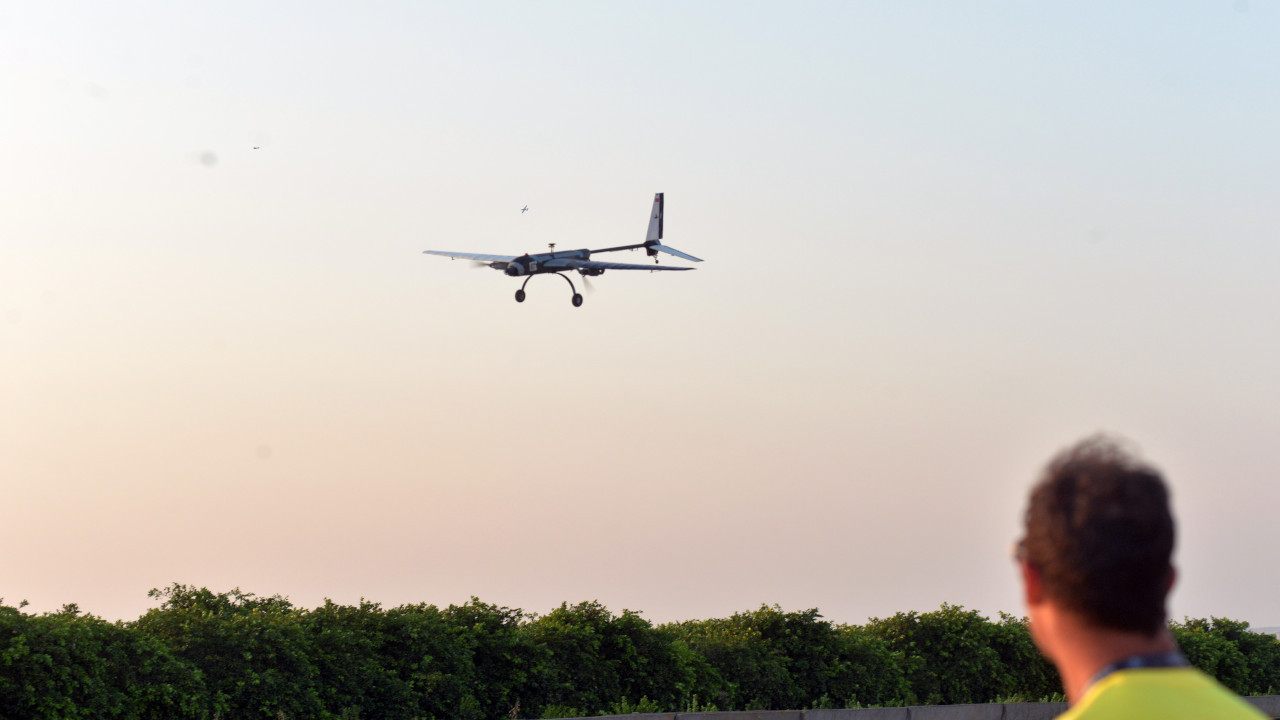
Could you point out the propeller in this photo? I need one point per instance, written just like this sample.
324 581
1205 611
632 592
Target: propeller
586 281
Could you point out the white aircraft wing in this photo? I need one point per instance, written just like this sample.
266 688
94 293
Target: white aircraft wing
572 264
472 256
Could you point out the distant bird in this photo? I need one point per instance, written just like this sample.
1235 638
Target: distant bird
257 147
524 209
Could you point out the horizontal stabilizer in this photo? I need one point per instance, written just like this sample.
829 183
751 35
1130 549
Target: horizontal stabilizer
677 253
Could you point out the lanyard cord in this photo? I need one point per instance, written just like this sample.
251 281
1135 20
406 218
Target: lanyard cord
1169 658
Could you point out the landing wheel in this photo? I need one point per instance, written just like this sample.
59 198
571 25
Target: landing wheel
520 295
577 300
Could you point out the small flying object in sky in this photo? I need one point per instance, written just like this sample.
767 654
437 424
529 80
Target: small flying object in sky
569 260
524 209
257 147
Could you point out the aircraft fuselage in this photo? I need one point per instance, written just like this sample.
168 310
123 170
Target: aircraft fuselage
536 264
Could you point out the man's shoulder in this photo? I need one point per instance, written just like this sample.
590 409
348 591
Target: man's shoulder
1165 693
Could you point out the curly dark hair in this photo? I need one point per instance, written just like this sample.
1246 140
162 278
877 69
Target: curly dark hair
1099 530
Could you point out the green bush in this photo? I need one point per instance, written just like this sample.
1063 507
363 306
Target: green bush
202 655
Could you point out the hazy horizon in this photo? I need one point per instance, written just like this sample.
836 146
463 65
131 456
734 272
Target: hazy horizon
941 243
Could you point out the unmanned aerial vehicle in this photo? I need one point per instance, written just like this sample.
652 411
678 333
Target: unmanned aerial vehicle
566 261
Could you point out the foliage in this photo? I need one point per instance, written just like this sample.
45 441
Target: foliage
1247 662
625 707
1025 670
252 652
950 654
502 656
953 655
353 652
873 674
561 711
72 665
748 656
203 655
594 659
773 660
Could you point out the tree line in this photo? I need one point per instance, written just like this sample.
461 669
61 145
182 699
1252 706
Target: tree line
206 655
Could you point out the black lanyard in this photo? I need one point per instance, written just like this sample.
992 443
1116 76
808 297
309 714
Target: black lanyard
1169 658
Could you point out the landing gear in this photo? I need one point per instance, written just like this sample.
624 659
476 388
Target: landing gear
577 297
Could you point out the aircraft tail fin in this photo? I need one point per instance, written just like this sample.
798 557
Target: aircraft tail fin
652 241
655 219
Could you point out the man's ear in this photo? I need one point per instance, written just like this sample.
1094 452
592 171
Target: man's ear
1032 585
1171 581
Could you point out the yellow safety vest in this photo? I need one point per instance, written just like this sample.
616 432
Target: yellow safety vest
1178 693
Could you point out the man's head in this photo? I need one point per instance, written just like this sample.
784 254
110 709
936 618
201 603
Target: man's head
1099 538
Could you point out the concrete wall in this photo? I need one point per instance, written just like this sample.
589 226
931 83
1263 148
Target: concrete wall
1269 705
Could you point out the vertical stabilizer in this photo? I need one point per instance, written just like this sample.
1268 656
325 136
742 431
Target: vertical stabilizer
655 219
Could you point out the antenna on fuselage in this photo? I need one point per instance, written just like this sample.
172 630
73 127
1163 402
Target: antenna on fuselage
552 246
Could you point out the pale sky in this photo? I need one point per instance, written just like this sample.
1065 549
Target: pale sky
942 241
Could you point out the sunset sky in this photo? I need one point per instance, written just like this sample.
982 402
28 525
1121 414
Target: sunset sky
942 241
